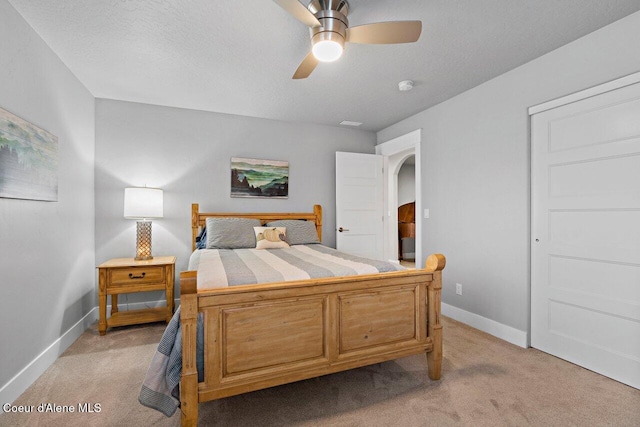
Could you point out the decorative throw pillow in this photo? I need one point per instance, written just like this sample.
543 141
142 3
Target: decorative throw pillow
270 237
299 232
231 233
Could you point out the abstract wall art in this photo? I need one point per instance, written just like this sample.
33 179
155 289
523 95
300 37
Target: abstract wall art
28 160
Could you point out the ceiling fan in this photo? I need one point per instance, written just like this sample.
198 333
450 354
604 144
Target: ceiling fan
329 28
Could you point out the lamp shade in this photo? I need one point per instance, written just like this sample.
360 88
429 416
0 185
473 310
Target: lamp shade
143 203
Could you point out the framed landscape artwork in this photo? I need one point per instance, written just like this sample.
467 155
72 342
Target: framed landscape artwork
259 178
28 160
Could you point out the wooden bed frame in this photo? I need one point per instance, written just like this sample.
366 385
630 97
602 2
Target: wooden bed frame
259 336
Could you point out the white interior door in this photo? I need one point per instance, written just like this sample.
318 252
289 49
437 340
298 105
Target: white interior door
359 204
585 246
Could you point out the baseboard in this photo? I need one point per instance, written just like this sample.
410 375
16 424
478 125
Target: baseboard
23 379
504 332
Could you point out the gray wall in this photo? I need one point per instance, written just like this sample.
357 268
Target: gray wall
187 153
47 258
476 163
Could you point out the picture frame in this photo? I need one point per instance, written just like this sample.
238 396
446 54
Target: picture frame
28 160
259 178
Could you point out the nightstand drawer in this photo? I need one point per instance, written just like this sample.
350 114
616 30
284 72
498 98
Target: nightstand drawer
137 275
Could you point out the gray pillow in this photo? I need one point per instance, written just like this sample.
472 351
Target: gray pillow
299 232
231 233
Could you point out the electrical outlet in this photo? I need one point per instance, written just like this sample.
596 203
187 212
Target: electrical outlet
459 288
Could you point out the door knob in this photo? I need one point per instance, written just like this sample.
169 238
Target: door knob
342 229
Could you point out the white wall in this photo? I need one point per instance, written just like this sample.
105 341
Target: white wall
187 153
47 257
476 163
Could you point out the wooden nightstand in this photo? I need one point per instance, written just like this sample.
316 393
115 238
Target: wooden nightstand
126 275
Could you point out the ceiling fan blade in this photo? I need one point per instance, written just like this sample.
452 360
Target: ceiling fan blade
308 64
301 13
385 32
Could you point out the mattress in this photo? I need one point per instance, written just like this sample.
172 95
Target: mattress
230 267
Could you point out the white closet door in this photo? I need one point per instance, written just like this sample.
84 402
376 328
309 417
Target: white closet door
585 245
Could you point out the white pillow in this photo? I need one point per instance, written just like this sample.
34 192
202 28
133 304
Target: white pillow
270 237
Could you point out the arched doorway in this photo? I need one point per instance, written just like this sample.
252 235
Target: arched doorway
395 153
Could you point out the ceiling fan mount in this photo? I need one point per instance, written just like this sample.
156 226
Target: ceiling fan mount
341 6
329 30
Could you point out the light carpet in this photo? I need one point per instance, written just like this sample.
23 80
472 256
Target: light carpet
485 382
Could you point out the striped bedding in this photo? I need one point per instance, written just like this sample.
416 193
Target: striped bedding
228 267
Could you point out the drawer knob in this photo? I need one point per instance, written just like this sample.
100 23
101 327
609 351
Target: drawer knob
131 276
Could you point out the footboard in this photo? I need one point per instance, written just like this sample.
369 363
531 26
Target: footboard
258 336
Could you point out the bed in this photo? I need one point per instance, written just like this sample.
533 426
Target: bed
262 335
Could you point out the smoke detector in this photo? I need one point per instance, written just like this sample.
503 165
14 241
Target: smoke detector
405 85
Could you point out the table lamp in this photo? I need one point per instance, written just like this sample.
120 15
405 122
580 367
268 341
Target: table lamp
143 204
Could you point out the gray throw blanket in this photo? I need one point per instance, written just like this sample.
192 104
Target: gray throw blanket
161 386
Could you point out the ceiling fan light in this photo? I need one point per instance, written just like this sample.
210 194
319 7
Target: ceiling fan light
327 50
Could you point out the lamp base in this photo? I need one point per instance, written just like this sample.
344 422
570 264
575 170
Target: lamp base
143 241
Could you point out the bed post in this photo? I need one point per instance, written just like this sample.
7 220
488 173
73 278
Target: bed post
317 210
194 225
435 263
189 322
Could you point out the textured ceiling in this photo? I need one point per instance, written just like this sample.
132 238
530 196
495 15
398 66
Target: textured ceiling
238 57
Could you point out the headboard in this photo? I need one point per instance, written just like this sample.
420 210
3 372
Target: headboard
199 219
